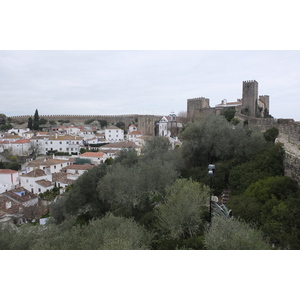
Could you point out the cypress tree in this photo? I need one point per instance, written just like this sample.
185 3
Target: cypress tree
30 125
36 118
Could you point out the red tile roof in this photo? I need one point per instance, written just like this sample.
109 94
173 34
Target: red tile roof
7 171
92 154
136 132
78 167
21 141
34 173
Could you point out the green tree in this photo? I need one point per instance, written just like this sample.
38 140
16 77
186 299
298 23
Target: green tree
107 233
82 197
182 215
43 121
233 234
103 123
127 157
271 134
2 119
212 138
30 123
229 113
267 163
121 125
36 118
156 147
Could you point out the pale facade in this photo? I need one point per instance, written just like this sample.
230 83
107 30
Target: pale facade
60 143
8 179
114 134
96 158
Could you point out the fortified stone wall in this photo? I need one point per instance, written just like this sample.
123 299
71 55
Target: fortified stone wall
289 135
196 106
146 123
292 166
291 129
262 123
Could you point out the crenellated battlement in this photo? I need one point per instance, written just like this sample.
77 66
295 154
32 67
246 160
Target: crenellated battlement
146 123
76 116
250 81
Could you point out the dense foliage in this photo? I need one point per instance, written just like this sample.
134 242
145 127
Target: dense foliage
160 199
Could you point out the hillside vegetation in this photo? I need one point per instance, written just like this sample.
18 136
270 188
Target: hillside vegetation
160 200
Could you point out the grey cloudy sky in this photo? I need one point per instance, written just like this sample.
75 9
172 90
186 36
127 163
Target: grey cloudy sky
143 82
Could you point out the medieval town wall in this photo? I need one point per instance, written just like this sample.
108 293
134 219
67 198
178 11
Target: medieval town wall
289 135
146 123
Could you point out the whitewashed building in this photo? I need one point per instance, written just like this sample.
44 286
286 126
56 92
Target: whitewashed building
60 143
169 126
96 158
36 181
114 134
50 166
8 179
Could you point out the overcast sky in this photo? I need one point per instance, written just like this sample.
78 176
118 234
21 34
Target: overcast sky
143 82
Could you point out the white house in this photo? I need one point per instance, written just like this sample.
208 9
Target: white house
21 147
121 146
132 128
36 181
4 145
61 180
27 134
114 134
72 130
8 179
75 171
134 136
19 205
22 196
60 143
96 158
18 131
169 126
10 137
50 166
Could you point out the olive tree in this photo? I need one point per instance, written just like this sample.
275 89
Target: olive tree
233 234
182 215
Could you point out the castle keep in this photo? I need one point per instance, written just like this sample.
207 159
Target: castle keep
251 104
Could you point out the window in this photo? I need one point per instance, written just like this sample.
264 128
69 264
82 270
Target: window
60 142
39 190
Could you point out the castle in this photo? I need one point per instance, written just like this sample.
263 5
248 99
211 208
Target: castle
250 105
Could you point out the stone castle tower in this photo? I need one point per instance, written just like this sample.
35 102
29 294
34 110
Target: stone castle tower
250 96
252 104
196 106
